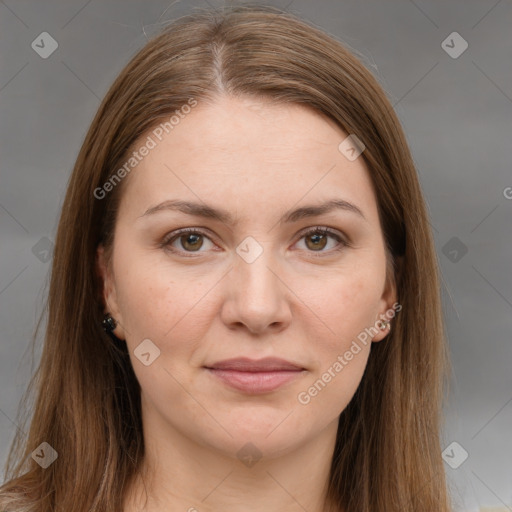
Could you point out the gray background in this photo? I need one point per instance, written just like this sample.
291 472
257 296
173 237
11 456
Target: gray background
457 115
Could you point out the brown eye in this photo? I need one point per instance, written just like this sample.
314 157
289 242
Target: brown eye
191 241
318 241
187 241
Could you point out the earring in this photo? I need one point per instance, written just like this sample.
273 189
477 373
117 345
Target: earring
384 324
109 323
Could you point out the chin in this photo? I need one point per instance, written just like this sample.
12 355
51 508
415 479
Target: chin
267 434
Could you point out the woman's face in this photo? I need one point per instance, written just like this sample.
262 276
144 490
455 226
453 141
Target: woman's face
248 281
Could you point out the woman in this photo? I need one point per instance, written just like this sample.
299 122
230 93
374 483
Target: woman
243 308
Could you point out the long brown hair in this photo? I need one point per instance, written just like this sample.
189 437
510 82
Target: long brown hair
87 406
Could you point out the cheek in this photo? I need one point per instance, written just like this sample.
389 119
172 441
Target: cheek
329 392
171 307
149 292
347 303
348 310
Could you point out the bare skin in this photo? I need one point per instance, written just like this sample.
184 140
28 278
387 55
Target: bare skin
304 299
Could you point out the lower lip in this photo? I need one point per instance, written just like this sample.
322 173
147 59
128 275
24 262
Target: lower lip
256 382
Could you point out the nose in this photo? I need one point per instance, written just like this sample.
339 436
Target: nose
257 297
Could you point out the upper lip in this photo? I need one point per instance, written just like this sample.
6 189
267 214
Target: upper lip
244 364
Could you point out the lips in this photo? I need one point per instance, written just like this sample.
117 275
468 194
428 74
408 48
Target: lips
255 376
244 364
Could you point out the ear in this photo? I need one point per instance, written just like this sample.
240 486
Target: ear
108 291
389 305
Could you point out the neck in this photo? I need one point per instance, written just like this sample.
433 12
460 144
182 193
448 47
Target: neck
177 473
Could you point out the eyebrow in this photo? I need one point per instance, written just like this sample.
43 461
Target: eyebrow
206 211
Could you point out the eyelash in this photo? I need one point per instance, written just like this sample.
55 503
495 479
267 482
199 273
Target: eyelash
171 237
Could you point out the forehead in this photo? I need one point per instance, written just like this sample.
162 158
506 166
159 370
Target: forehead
249 154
